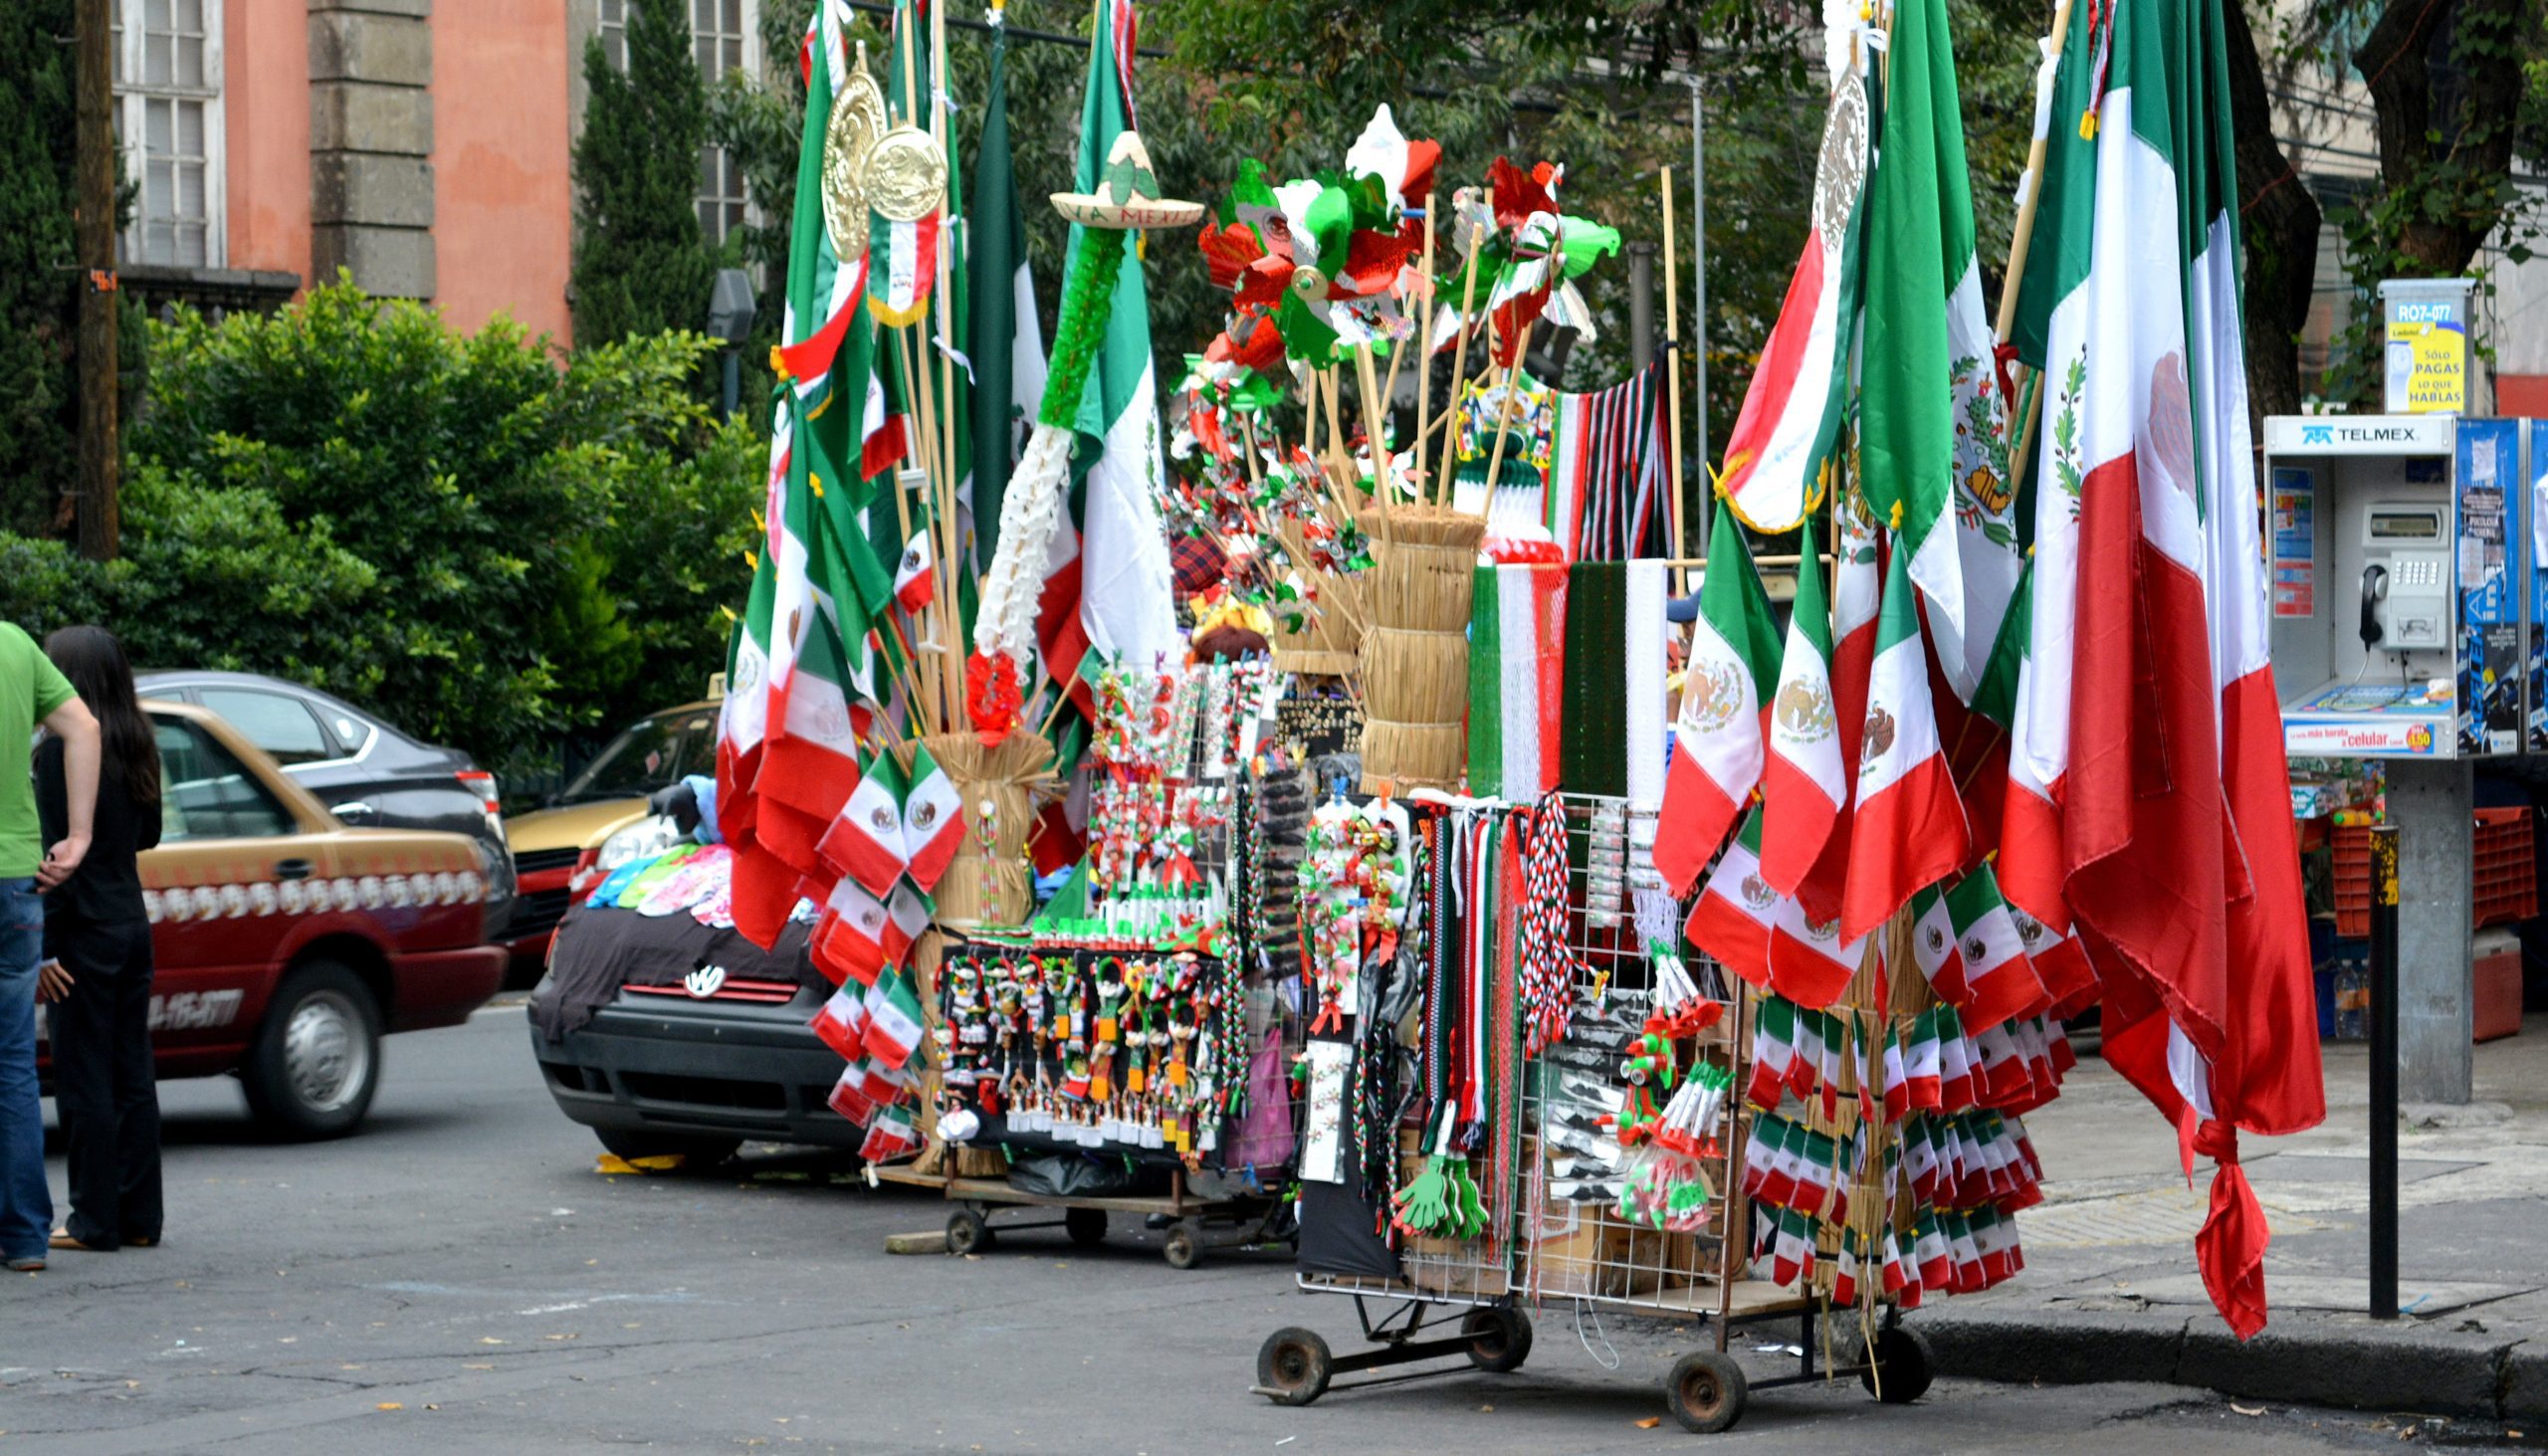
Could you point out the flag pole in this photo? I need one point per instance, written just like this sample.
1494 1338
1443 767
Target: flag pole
1424 352
1460 349
950 523
2022 239
1672 358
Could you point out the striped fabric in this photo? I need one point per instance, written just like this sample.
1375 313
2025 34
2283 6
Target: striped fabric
1609 496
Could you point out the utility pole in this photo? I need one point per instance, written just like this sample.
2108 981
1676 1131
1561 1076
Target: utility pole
98 502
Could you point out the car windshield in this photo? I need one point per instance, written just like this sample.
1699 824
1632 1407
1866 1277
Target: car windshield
650 754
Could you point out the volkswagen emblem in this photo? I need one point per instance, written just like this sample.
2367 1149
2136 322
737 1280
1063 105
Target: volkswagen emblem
703 982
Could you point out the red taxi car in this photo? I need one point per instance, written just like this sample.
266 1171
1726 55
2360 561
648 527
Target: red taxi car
288 944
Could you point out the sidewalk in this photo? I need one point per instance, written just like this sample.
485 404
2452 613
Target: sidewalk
2110 1291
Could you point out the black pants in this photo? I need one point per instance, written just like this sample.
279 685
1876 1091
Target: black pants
103 1084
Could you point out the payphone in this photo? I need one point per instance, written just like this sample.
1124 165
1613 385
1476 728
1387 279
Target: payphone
2398 630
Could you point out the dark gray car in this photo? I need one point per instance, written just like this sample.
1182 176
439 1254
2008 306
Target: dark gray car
367 772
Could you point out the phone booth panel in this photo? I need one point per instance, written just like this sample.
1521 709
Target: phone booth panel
2399 623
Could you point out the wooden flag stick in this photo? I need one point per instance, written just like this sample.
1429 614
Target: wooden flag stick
1672 358
1422 348
1374 419
1460 349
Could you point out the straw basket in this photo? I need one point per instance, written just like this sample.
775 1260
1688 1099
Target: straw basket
1329 644
986 884
1416 656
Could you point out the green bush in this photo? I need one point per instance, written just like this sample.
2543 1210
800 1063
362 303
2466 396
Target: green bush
490 546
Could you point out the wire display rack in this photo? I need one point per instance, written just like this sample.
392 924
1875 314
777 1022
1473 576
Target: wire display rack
1557 1233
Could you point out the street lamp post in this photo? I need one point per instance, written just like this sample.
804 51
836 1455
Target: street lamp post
729 318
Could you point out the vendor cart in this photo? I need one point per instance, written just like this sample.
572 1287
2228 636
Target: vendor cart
1193 1224
1550 1241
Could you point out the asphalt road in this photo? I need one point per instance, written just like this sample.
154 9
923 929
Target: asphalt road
458 1278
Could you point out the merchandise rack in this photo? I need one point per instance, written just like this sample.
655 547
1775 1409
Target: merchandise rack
1590 1257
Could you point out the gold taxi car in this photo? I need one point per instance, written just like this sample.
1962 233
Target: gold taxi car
287 944
600 821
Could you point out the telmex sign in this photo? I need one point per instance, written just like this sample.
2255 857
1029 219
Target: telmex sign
2359 434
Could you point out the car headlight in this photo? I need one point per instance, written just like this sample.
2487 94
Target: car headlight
648 836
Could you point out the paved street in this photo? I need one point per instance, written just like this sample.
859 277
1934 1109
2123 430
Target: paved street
458 1278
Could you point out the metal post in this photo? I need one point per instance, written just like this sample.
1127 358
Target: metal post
98 509
1640 307
733 382
2384 1072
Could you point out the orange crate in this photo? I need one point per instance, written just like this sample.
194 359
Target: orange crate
2503 878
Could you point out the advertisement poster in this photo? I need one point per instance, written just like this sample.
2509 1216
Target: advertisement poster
2295 540
2537 507
2492 660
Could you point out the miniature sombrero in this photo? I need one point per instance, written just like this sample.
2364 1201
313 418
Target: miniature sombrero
1127 194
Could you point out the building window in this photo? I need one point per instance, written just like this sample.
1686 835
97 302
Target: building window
169 119
613 31
723 34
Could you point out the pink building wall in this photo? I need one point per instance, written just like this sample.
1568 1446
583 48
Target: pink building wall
266 94
502 208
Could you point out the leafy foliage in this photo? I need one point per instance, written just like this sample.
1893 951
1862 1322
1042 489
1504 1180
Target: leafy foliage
641 264
491 549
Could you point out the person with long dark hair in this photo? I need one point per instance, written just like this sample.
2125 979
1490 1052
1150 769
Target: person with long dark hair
98 967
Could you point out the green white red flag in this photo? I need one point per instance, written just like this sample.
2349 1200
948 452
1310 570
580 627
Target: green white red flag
1908 830
2148 715
1717 739
1780 458
1805 779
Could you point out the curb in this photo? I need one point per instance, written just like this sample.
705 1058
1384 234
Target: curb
2348 1361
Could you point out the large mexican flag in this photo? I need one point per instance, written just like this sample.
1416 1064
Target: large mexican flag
2147 713
1932 421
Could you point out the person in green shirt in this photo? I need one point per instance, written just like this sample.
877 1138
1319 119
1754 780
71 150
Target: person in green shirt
32 693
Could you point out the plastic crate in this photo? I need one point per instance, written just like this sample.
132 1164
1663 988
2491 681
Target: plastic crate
2504 882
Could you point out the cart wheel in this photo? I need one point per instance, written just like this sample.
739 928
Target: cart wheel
1086 1226
1706 1391
1499 1338
1292 1366
1184 1250
967 1233
1902 1360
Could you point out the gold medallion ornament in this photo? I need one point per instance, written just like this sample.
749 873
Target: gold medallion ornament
905 175
857 120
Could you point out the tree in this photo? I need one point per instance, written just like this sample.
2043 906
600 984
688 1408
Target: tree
488 548
39 302
2456 94
641 265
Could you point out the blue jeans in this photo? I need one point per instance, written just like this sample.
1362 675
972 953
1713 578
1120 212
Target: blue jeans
26 1204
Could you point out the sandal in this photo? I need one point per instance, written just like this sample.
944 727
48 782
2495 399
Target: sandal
33 1264
63 1238
151 1242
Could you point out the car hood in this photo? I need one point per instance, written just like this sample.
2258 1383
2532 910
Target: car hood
570 827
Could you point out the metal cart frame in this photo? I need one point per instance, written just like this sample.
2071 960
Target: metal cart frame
1707 1389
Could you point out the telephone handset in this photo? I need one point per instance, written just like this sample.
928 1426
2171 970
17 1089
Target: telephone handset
2375 590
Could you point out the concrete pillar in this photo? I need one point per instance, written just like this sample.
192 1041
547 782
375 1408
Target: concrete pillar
371 141
2430 801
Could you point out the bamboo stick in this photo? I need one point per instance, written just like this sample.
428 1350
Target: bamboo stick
1460 349
1424 351
1374 417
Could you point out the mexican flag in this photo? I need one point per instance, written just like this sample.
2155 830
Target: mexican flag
1002 336
1909 830
2156 749
1803 782
865 843
1811 961
1857 591
1126 604
1787 441
933 820
1932 422
1733 918
1717 736
894 1029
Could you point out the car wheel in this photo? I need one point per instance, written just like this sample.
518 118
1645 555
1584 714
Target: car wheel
316 1062
698 1153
